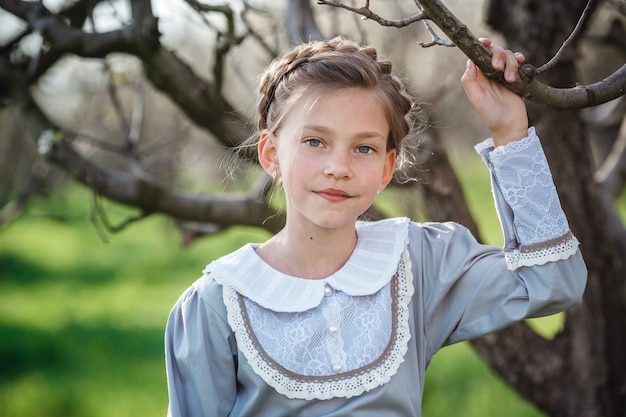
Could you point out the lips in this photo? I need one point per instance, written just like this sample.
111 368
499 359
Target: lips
333 194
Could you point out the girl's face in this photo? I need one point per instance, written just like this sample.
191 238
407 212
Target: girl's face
332 157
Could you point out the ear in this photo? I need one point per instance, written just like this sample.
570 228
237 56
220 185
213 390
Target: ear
388 168
268 153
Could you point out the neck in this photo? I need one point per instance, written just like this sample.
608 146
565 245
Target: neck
313 253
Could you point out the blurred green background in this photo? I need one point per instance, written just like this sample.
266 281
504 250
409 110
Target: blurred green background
82 315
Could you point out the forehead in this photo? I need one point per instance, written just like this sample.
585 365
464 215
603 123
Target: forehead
339 109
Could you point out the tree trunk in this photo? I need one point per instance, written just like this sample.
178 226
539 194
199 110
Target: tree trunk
582 372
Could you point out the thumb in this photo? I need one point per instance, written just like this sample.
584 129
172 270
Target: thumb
469 77
470 71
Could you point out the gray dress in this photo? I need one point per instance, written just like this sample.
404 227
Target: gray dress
247 340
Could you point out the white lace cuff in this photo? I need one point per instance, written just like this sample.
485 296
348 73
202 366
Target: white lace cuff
551 251
534 225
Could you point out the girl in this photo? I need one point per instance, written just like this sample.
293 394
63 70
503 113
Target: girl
338 317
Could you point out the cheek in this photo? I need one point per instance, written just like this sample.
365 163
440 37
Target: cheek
375 173
295 172
299 163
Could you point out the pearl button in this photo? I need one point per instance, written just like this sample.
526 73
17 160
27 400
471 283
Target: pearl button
337 368
333 330
328 291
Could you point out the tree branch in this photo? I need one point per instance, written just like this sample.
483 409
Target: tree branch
63 38
145 192
555 59
368 14
99 217
224 40
610 88
196 97
271 51
526 85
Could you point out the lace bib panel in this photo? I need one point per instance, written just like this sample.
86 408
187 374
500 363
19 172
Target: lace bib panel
343 347
343 333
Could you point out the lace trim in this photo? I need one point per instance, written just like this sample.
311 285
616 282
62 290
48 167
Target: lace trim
517 146
514 146
541 253
345 384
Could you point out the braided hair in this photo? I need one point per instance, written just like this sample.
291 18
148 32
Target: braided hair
329 65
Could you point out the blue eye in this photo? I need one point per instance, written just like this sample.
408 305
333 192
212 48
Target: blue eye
364 149
313 142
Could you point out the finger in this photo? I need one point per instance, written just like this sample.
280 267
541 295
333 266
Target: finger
520 57
498 57
486 41
510 70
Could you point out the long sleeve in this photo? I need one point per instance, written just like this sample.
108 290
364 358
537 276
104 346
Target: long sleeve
468 289
200 356
534 225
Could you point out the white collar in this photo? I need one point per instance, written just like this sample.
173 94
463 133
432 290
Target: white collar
370 267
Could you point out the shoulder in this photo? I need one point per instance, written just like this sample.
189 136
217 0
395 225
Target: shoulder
402 229
438 246
208 289
203 297
437 232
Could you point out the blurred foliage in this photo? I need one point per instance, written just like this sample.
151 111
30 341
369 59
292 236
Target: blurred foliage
82 316
82 320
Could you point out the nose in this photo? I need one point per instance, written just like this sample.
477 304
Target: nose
338 166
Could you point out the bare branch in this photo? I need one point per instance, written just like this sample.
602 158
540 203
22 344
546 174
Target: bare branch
603 91
63 38
435 39
100 217
190 232
100 143
194 96
144 192
526 85
129 131
149 195
164 69
201 7
552 63
368 14
224 40
272 52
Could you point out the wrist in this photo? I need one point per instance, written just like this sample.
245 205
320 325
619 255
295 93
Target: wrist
502 138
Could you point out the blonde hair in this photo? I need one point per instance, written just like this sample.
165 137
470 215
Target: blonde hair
326 66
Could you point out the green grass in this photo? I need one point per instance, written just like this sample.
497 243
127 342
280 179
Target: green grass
82 320
459 383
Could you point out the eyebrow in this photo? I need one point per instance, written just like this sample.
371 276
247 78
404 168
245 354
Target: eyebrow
325 129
